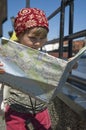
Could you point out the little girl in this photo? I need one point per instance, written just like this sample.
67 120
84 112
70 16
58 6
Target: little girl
31 28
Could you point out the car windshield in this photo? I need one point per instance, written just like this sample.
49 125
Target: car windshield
81 69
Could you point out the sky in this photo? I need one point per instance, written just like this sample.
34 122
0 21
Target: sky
49 6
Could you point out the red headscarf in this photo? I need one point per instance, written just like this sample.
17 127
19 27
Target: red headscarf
28 18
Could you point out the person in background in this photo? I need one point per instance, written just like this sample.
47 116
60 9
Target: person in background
23 112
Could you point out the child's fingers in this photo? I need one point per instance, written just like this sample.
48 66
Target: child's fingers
2 71
1 64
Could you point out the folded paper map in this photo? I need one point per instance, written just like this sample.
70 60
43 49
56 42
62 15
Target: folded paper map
32 71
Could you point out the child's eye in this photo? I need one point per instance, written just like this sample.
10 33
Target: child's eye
32 38
42 38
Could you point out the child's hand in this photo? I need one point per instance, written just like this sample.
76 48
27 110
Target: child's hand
75 65
2 71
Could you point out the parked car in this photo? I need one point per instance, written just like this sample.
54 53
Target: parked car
73 92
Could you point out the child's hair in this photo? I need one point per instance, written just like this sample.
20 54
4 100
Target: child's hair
13 37
28 18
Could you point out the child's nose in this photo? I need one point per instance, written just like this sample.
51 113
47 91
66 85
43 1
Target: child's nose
37 41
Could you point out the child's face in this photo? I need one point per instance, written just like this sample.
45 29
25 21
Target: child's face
34 38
